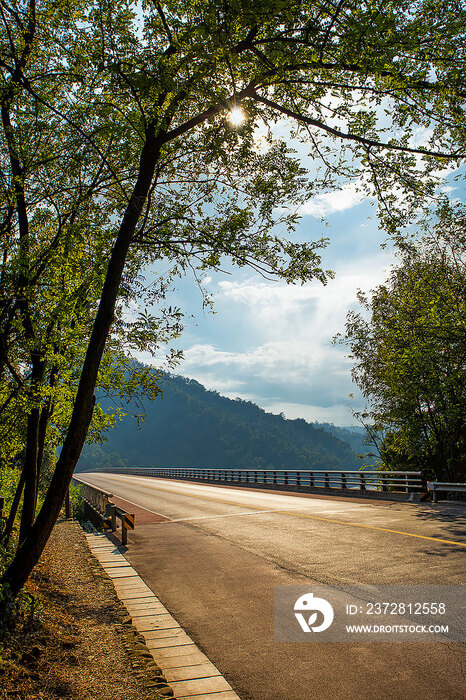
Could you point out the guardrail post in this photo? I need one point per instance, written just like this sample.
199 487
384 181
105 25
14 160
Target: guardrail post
275 477
362 482
285 476
311 479
326 481
298 478
110 512
343 480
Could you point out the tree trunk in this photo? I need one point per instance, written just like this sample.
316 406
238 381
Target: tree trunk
14 509
45 414
30 468
31 548
30 474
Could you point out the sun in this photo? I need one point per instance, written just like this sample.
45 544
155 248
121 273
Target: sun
236 116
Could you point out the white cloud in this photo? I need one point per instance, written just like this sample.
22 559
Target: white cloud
339 414
420 137
293 361
289 364
311 312
346 197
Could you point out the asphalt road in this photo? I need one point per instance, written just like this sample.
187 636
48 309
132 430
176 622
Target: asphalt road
213 555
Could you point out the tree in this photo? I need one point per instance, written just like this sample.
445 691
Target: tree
142 95
410 354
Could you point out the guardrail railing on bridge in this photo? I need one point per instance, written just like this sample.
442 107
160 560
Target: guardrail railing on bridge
447 488
95 497
375 481
102 512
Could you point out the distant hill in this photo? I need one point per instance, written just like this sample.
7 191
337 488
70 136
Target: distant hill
193 427
354 435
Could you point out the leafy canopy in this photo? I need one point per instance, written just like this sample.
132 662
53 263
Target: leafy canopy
410 354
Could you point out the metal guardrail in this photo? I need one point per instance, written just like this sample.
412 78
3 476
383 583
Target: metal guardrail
104 511
405 482
95 497
127 521
436 487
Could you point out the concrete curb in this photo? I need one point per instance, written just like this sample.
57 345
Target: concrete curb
182 666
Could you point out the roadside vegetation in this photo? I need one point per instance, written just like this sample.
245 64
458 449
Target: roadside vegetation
65 639
409 348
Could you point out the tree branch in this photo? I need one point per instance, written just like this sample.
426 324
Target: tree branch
346 135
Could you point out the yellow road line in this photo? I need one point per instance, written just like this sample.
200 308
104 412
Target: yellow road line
299 515
373 527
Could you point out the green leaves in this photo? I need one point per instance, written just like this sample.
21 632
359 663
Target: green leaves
410 355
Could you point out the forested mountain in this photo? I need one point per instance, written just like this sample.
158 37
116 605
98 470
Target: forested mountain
193 427
354 435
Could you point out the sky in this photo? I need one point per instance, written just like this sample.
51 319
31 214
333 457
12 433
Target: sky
271 343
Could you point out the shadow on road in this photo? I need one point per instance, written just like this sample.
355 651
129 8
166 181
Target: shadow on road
452 517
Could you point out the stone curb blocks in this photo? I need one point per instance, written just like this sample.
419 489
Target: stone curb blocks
152 636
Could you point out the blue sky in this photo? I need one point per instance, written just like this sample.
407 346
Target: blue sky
270 342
